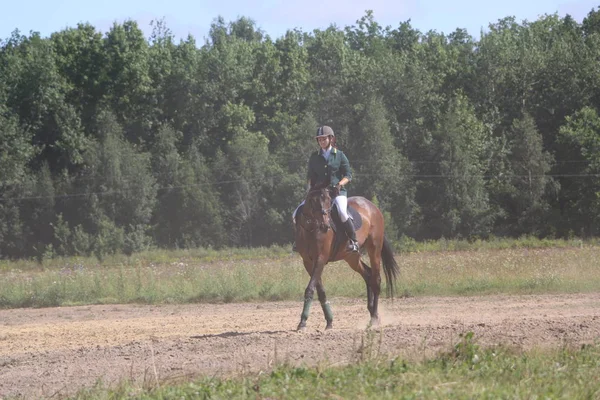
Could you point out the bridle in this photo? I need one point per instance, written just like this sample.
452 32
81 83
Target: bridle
311 224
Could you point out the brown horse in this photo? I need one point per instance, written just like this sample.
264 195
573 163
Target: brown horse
315 241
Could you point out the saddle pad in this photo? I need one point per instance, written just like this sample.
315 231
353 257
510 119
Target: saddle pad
337 223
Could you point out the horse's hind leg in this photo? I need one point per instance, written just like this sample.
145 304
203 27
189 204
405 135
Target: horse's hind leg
366 272
367 278
375 282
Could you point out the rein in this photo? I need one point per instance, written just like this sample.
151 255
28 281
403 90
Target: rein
315 222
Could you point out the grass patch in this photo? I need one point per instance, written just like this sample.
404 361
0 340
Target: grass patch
408 245
463 372
276 274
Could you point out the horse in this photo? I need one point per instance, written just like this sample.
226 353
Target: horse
316 242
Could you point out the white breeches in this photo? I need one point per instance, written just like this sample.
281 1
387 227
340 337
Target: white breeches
342 205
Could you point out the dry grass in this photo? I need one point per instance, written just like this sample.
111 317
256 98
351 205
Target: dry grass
138 280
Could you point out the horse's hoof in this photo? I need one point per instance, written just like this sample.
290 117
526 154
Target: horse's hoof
374 323
329 326
301 328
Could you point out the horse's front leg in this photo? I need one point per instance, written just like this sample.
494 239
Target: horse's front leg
315 277
325 304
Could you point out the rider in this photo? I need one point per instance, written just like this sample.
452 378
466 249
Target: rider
331 164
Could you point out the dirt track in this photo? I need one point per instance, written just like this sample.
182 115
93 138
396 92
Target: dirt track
56 351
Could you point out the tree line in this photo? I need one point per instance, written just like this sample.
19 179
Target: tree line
114 142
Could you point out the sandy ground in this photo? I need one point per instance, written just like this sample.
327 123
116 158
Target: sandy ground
54 352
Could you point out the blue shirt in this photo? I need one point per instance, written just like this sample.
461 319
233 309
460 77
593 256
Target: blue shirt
326 153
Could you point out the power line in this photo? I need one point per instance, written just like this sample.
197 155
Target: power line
485 175
371 161
110 192
417 176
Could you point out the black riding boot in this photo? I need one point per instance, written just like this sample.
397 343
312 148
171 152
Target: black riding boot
352 243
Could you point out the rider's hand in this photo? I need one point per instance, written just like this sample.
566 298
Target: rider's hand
336 190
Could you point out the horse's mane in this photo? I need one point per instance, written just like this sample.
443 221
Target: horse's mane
318 187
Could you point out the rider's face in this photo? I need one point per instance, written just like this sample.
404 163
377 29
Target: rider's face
324 142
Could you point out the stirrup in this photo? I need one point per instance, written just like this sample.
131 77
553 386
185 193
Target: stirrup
352 246
294 248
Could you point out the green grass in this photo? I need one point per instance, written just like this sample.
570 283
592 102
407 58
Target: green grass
409 245
463 372
269 274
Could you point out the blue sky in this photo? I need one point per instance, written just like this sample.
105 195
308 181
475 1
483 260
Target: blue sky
275 17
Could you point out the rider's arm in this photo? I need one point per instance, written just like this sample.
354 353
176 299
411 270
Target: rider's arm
345 170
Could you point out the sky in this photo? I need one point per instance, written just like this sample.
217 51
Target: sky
275 17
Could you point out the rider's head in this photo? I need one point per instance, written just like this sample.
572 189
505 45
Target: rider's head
325 136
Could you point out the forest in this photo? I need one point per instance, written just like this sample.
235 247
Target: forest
113 142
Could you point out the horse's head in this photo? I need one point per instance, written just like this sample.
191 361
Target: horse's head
318 206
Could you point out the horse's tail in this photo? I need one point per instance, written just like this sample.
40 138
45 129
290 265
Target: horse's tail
390 267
